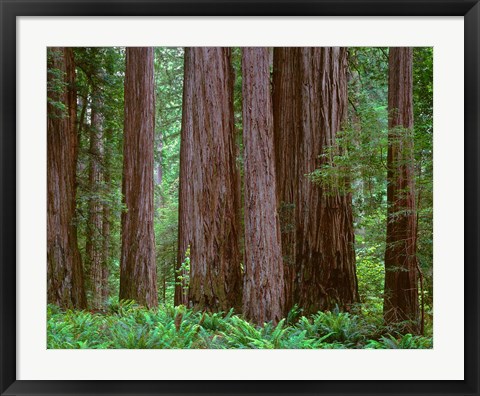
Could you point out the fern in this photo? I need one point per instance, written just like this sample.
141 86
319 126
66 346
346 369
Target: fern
128 325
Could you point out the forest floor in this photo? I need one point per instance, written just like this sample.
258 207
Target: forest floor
128 326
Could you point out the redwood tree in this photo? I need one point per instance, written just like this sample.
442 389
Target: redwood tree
263 297
137 267
94 243
209 184
310 103
65 285
286 165
401 277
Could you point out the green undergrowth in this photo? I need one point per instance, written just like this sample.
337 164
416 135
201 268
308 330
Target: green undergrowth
126 325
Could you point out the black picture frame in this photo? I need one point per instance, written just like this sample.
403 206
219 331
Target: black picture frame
9 10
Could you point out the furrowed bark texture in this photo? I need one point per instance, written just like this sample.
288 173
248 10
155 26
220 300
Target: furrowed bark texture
138 279
286 166
65 285
209 182
310 104
401 277
94 243
263 292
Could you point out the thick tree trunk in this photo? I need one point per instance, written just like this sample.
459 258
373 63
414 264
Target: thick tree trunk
401 278
308 112
286 166
94 242
138 279
209 183
263 297
65 285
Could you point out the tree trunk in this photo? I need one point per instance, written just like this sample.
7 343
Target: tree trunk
263 298
209 183
94 243
106 221
310 104
159 175
138 279
286 165
401 278
105 291
65 285
185 203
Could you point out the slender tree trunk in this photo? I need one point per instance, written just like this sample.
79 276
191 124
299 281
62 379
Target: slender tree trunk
94 243
401 278
106 221
165 282
209 183
309 111
105 292
138 279
185 205
263 298
65 285
159 175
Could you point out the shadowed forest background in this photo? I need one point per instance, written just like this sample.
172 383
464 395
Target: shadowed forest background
260 197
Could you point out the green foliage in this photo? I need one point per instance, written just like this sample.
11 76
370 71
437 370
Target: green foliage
183 272
125 324
99 80
357 162
357 165
168 121
370 274
56 84
294 314
407 341
166 240
423 151
335 327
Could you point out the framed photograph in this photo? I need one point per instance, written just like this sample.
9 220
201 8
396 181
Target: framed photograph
239 197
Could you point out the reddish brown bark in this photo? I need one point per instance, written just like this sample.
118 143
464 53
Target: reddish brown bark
310 104
286 166
94 242
209 183
401 278
138 279
263 292
65 285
